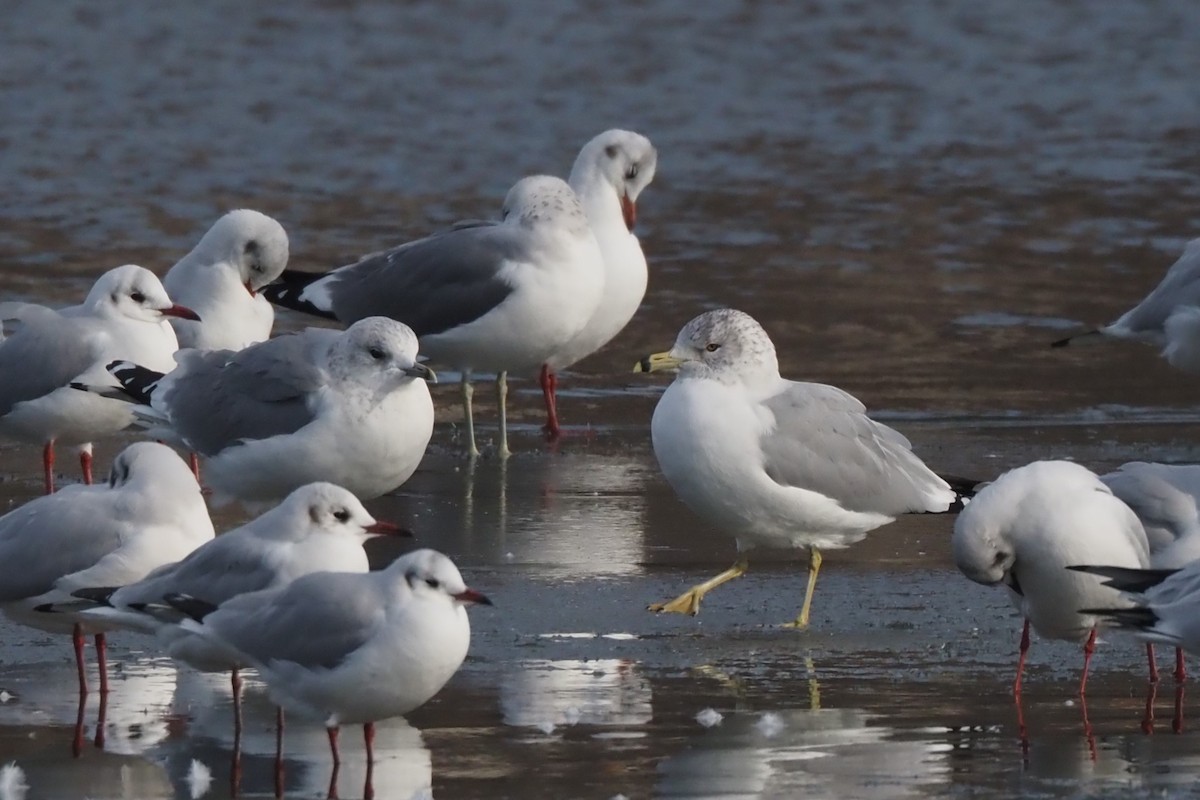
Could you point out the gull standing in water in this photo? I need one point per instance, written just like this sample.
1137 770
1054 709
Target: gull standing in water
776 462
609 175
494 297
124 316
1025 529
220 280
149 513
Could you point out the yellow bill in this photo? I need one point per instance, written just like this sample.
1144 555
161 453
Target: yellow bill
657 362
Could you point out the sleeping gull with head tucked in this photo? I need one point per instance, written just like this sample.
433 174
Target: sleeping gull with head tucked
776 462
43 351
492 297
220 280
346 407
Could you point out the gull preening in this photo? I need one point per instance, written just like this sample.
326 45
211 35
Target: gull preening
348 407
44 351
483 297
608 177
349 648
149 513
1024 530
220 279
1168 317
775 462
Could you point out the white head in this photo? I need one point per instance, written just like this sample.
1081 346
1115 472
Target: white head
432 576
158 487
623 162
254 245
134 293
148 464
541 200
323 509
723 345
375 349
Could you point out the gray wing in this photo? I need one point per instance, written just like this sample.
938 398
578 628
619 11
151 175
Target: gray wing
432 284
315 621
822 441
45 352
1179 287
217 571
216 399
1162 495
53 536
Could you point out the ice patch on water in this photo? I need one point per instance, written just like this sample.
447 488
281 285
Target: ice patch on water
709 717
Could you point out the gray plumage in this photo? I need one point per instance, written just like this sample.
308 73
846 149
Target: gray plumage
56 343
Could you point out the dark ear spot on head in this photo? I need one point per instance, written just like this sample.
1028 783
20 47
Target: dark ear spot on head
314 514
611 151
251 247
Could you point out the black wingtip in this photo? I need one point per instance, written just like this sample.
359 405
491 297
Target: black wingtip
45 608
1134 618
97 594
288 288
193 607
1126 579
137 382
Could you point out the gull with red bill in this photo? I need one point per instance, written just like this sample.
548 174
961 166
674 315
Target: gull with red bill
123 317
220 279
349 648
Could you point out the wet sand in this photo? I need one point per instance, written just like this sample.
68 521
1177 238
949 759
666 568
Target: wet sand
913 201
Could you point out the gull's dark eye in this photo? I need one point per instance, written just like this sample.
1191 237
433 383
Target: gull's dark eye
432 583
341 515
137 297
376 353
713 347
632 172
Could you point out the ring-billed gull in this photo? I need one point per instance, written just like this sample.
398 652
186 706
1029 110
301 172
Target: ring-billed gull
492 297
318 527
45 350
149 513
776 462
347 407
608 176
1168 317
220 280
349 648
1024 529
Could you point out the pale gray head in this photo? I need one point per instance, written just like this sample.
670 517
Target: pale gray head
133 292
622 160
378 347
150 464
725 345
253 244
323 509
544 200
430 575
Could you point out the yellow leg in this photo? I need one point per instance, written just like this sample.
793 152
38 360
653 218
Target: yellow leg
467 392
502 401
814 566
689 601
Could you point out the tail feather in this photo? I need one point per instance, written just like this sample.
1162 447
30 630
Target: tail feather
1076 337
137 382
288 292
68 607
1127 579
1139 619
194 607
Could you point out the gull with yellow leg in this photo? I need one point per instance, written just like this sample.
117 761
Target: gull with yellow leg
775 462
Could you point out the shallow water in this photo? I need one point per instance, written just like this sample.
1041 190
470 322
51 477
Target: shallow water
912 198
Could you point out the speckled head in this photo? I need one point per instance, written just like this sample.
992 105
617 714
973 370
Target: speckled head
544 199
377 346
725 345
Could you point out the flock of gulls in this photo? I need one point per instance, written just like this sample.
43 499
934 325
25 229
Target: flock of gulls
305 426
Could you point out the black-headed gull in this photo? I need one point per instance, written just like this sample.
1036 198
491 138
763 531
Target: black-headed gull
349 648
492 297
123 317
149 513
1163 603
608 176
220 280
1023 531
776 462
347 407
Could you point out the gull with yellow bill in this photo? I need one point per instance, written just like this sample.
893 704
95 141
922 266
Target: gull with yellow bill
777 463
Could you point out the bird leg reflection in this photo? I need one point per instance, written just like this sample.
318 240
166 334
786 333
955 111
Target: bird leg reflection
689 601
48 465
1089 647
1177 720
1180 666
1148 716
814 566
550 395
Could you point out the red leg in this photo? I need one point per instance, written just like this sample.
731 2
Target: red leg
279 751
77 640
1088 734
235 680
102 662
1148 717
1152 662
48 465
1021 658
194 463
1089 647
1180 666
85 466
549 394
